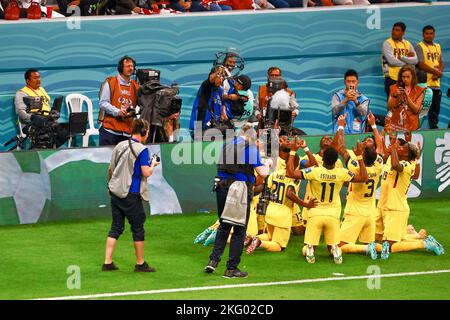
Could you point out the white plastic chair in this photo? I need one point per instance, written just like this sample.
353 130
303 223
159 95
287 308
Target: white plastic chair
74 103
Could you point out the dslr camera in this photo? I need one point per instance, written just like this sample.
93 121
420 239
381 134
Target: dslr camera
264 199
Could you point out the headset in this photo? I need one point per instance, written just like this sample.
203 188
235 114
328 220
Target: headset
122 60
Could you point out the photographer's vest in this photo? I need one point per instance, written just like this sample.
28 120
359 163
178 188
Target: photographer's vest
354 122
228 162
263 93
431 57
38 93
399 49
122 166
121 95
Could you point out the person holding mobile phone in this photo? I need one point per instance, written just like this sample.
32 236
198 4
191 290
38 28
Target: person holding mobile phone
405 101
351 101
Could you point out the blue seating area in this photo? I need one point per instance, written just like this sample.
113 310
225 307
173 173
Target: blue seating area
313 48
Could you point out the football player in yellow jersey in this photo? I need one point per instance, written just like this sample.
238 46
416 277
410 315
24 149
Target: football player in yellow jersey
300 216
278 216
360 209
326 183
393 208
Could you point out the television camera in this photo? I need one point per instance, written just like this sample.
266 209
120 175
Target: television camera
156 102
42 130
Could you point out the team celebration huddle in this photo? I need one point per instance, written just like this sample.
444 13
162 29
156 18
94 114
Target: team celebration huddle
374 228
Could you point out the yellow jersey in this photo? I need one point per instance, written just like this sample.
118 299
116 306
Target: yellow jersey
308 195
325 187
395 185
361 196
279 212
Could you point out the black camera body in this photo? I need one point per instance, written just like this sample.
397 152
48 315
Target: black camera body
276 84
264 199
42 131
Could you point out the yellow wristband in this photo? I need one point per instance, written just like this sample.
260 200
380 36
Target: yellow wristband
359 158
292 153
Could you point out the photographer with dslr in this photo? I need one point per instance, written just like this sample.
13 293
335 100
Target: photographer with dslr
37 120
234 183
127 174
405 101
265 94
118 98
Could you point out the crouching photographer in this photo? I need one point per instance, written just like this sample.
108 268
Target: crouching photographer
38 122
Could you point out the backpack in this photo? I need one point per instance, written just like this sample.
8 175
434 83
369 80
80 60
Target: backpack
12 11
34 11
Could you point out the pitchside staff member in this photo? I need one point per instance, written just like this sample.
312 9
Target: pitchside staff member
241 167
128 172
117 95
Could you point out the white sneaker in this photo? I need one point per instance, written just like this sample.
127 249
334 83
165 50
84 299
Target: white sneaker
310 258
337 254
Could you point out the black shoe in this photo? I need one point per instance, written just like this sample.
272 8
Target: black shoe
211 267
235 273
109 267
143 268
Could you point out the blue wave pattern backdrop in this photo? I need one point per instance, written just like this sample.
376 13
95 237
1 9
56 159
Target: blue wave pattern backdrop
313 48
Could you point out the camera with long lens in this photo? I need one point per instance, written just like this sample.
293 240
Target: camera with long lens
42 130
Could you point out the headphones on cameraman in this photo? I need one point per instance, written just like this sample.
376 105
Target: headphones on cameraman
121 62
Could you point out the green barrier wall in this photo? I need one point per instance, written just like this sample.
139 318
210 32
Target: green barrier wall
41 186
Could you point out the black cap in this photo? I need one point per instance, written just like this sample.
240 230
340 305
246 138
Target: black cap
244 81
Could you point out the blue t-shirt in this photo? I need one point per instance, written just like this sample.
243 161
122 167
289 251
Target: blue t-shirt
142 160
251 157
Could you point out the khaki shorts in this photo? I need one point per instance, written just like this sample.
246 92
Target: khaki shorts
328 224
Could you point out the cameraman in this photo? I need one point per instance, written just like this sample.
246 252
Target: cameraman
118 97
263 96
235 175
128 172
45 131
32 89
208 110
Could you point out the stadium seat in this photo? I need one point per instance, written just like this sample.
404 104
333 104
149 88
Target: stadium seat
74 103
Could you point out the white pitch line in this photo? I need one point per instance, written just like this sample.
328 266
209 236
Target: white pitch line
245 285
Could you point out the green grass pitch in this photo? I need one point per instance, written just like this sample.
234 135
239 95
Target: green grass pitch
35 259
